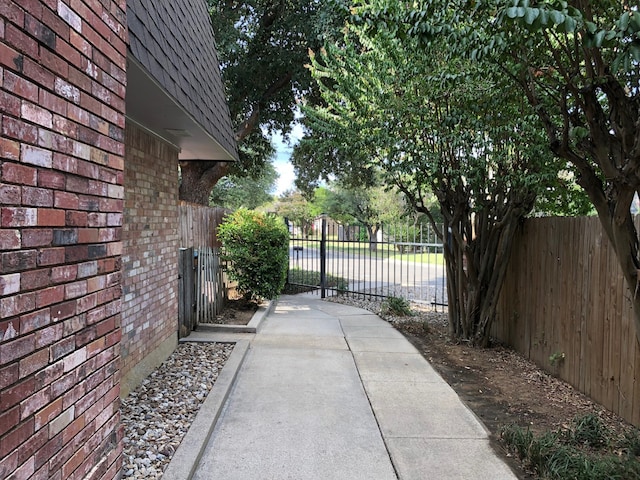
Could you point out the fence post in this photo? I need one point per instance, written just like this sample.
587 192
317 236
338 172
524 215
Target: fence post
323 259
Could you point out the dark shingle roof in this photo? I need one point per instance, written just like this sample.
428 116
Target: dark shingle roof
173 40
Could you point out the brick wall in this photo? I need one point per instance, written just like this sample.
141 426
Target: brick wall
62 85
150 255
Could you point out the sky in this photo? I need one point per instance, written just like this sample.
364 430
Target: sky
281 162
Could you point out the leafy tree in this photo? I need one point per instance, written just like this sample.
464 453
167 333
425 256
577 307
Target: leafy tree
369 206
235 191
577 63
447 127
262 46
294 207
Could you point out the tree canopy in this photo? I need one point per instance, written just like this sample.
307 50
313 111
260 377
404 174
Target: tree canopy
430 125
577 64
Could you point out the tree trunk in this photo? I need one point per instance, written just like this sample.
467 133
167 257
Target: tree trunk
198 178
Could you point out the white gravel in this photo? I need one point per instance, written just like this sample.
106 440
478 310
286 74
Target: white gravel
157 415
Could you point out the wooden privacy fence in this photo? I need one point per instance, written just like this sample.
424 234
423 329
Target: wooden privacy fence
565 306
201 269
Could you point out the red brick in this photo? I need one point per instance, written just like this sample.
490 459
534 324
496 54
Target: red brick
33 321
75 427
20 174
76 219
75 290
20 86
10 103
49 296
34 403
45 453
16 128
65 162
16 437
9 149
48 217
18 348
35 279
53 103
52 141
51 256
37 197
9 375
89 235
66 200
65 273
33 363
10 462
38 74
49 335
63 310
36 114
36 237
8 420
10 239
50 179
76 253
18 261
19 217
64 384
10 194
31 446
48 413
16 393
54 63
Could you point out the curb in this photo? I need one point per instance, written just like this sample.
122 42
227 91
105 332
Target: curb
252 327
185 460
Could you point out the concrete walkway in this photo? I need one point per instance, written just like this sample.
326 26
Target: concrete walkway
330 392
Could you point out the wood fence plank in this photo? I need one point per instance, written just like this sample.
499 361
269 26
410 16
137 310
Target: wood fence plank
565 293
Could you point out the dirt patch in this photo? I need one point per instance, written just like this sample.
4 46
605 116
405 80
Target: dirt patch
237 311
503 388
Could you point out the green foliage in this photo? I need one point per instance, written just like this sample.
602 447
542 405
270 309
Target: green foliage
585 452
311 278
262 46
257 246
250 192
397 306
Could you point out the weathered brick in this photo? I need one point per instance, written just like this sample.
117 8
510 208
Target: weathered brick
19 130
16 437
18 261
62 349
34 321
38 73
8 375
9 284
49 335
10 239
64 273
76 253
49 296
19 217
20 174
63 310
20 86
17 304
33 363
36 114
35 402
37 237
66 236
34 279
17 392
8 419
37 197
31 446
36 156
10 194
51 256
76 219
66 200
9 149
51 179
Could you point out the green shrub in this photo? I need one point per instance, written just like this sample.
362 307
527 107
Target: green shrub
311 278
396 306
257 245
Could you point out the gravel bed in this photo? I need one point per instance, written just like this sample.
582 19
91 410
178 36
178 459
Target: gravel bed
157 415
421 312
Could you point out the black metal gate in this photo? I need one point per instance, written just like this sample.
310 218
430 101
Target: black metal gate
401 261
